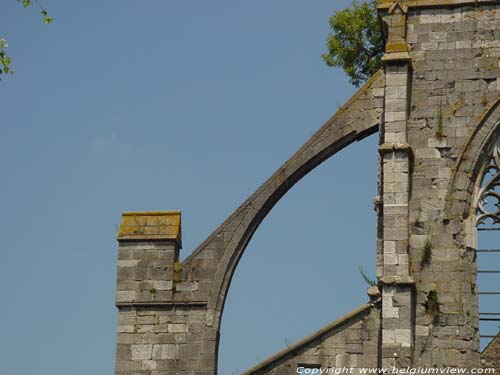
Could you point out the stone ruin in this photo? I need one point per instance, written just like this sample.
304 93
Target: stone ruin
436 107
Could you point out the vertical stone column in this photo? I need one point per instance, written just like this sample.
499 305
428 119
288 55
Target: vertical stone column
396 283
149 244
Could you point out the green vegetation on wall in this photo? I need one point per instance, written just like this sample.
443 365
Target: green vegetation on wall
355 43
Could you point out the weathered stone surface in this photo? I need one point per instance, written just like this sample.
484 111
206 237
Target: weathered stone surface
437 107
490 357
351 341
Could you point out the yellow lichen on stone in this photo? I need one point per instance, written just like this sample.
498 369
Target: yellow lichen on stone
160 225
386 4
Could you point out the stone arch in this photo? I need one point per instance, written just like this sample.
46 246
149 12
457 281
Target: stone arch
474 155
466 191
359 118
256 214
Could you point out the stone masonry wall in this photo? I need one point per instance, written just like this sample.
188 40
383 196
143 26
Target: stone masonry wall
490 357
440 81
156 336
170 311
352 341
455 59
161 340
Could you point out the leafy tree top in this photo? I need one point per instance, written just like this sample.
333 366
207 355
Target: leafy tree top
355 43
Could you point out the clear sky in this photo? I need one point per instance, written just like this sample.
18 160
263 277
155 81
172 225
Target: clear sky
158 105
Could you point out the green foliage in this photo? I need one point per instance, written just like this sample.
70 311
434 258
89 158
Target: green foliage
46 18
432 304
366 278
5 59
440 125
426 252
355 43
45 15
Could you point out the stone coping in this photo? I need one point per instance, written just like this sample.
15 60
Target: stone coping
492 345
150 226
386 4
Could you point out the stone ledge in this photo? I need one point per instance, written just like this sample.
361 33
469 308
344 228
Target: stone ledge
396 56
391 147
158 304
150 226
386 4
397 280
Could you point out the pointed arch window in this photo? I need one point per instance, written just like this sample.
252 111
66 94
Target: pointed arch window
487 221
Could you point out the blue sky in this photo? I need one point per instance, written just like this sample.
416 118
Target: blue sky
158 105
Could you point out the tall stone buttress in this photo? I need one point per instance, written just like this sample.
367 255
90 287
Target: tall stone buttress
395 157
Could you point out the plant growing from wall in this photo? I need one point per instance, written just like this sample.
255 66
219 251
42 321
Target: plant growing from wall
366 278
426 252
355 43
177 274
432 304
440 124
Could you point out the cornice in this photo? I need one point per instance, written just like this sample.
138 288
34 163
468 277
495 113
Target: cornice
387 4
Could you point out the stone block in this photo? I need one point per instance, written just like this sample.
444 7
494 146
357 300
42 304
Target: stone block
140 352
165 351
177 328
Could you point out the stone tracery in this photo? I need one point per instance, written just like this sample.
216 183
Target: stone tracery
488 203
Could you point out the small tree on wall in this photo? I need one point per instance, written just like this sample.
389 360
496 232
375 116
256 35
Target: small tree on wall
355 43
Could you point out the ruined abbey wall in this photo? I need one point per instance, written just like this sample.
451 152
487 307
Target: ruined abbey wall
436 105
170 311
351 341
455 55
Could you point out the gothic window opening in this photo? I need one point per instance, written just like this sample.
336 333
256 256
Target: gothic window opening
488 249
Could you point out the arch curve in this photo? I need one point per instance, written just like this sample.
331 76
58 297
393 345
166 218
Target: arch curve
475 154
219 254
